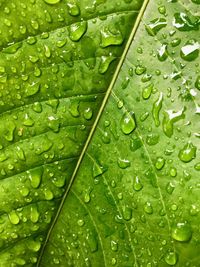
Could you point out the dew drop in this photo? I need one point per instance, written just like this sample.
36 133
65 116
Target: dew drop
155 26
28 121
187 153
197 82
110 38
137 185
13 217
88 113
156 109
183 23
170 117
73 9
128 123
160 162
162 53
123 163
77 30
190 51
114 245
182 232
52 2
35 177
171 258
146 92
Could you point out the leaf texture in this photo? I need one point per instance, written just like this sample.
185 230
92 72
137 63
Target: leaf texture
99 138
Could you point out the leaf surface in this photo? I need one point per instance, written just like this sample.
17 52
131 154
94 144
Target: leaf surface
99 135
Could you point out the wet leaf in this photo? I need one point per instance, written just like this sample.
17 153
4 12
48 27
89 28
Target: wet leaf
99 133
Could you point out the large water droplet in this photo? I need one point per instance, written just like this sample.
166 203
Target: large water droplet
123 163
35 177
190 51
110 38
128 123
73 9
187 153
171 258
52 2
137 185
77 30
182 232
13 217
154 26
183 23
170 117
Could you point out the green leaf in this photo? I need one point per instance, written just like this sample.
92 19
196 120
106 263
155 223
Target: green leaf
99 135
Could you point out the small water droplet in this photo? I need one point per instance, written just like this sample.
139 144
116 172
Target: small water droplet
88 113
148 208
162 53
114 245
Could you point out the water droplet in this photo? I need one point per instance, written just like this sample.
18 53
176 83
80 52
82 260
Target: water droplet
74 108
52 2
47 51
160 162
20 153
35 177
128 123
73 9
155 26
114 245
171 258
80 222
33 59
48 194
187 153
9 133
197 83
105 63
170 117
37 107
13 217
109 37
173 172
146 92
12 49
127 213
162 53
137 185
77 30
190 51
123 163
139 70
88 113
182 232
156 109
183 23
61 43
32 89
43 145
34 215
148 208
170 188
28 121
98 169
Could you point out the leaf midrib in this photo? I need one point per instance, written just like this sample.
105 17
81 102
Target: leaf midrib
112 83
